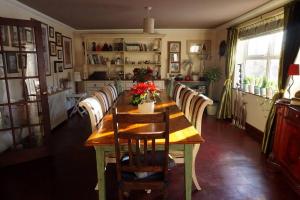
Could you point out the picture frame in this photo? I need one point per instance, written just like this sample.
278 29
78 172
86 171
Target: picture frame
174 46
22 61
58 66
51 32
28 35
199 47
59 54
58 39
67 52
52 48
4 35
46 53
174 57
12 63
175 67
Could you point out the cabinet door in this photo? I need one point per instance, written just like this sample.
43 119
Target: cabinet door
291 149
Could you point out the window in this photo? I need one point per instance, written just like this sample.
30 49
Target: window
259 58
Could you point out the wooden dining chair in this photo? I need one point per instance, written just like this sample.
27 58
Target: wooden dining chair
194 112
141 160
176 93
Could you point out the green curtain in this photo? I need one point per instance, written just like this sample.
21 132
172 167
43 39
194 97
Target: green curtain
290 48
224 109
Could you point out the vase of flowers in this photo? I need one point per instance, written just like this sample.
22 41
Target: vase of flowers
143 95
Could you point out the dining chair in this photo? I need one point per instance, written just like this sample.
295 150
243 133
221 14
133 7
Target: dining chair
103 100
93 106
194 111
176 93
185 97
113 90
139 161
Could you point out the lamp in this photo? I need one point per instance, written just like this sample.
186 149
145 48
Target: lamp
294 69
148 21
77 78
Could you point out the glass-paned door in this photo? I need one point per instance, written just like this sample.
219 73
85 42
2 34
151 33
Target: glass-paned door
24 114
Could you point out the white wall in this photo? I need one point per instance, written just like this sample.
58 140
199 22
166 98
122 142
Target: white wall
14 9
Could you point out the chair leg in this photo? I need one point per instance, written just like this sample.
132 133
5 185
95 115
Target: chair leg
194 176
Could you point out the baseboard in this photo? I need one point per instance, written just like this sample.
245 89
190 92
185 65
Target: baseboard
254 133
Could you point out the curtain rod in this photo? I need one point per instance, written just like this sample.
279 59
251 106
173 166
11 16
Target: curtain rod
268 15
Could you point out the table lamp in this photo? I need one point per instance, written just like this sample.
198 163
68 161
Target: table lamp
77 78
294 69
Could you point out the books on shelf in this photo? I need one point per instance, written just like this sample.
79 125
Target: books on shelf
295 101
95 59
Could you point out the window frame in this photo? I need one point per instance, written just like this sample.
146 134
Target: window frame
268 57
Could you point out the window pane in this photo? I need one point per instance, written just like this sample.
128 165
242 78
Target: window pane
258 46
256 68
273 76
277 39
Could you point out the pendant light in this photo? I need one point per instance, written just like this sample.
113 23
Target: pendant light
148 21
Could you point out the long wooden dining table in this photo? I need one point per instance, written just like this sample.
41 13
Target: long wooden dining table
182 137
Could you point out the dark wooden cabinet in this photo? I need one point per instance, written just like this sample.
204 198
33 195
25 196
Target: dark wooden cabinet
286 149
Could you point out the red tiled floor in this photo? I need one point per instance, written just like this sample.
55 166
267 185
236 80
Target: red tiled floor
229 166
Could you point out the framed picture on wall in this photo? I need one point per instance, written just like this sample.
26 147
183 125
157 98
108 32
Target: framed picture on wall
4 35
58 39
52 48
51 32
174 47
12 63
59 54
67 52
45 41
58 66
174 56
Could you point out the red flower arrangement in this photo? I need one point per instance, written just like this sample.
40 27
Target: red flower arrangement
144 91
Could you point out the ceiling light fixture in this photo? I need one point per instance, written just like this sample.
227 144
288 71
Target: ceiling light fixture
148 21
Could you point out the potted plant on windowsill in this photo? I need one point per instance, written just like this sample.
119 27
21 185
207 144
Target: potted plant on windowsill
263 88
257 86
212 75
246 82
251 85
269 89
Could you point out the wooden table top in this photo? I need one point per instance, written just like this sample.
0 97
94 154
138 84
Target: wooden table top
181 130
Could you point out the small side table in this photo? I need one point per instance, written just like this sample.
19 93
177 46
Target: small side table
77 98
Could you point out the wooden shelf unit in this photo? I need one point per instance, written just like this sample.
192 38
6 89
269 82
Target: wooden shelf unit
148 49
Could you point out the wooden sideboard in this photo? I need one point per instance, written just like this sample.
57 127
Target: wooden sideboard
286 147
91 86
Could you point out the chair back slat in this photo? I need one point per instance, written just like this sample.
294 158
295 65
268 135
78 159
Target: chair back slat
153 159
137 153
145 151
130 152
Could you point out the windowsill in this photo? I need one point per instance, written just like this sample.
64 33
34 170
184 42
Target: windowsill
254 94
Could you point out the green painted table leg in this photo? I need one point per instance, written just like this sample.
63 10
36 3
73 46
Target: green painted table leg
188 157
101 172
